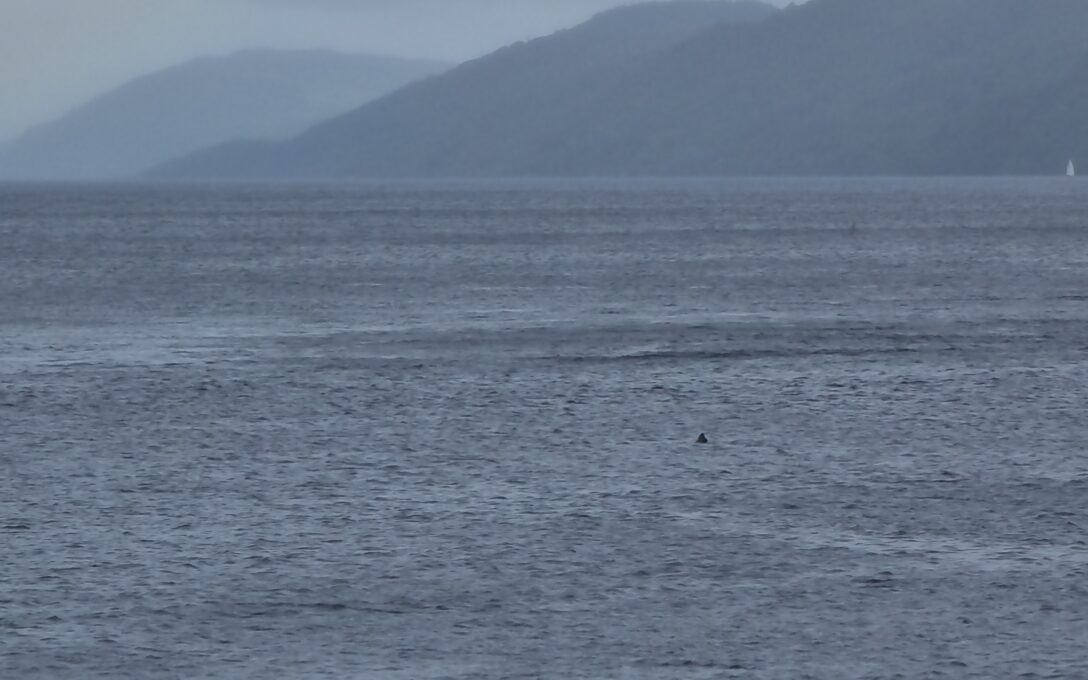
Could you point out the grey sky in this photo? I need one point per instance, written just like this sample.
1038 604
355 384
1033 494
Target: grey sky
55 54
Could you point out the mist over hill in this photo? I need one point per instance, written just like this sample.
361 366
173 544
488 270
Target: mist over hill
832 87
259 94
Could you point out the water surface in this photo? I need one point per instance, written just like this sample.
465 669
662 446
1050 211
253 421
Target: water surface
446 430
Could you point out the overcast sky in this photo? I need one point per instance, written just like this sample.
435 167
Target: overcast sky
55 54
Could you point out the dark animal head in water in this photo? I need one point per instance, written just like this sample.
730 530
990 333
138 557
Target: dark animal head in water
701 440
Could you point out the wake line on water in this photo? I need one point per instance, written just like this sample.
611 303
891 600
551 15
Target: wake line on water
741 355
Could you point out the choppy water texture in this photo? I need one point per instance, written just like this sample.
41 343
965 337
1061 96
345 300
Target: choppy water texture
447 431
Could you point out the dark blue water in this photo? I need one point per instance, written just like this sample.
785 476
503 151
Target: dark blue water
447 430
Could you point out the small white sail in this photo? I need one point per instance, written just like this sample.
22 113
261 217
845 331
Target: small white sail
1070 171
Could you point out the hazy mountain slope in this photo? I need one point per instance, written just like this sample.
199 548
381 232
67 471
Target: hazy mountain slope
1034 132
254 94
829 87
849 87
484 115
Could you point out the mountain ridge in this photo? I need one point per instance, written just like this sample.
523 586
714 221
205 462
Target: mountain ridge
509 77
831 87
156 116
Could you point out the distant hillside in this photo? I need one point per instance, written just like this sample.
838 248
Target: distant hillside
833 87
261 94
483 116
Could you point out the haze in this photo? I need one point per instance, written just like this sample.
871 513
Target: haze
56 54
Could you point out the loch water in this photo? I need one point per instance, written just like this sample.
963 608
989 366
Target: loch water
410 431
